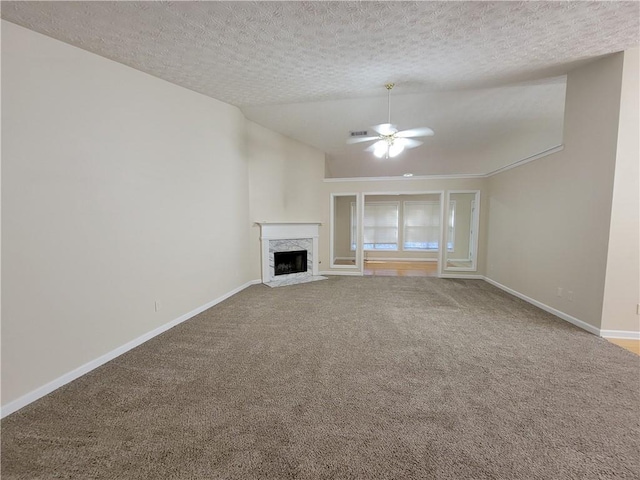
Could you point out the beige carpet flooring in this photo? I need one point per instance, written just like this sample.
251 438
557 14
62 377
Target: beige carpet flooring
348 378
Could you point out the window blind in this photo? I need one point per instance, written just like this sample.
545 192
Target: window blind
421 225
381 226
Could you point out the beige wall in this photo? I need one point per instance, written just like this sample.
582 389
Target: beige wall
118 190
404 187
285 183
622 286
549 219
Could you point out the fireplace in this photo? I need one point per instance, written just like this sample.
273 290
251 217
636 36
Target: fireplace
285 263
292 240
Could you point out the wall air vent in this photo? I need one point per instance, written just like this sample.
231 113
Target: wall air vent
358 133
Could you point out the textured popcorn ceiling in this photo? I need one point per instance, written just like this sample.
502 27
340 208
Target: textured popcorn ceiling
288 55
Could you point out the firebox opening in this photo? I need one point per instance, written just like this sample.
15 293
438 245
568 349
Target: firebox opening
290 262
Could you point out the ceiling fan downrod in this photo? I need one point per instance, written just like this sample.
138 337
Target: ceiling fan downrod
389 86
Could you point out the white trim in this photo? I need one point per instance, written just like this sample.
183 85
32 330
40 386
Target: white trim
40 392
628 334
564 316
406 193
461 276
454 176
531 158
334 272
287 223
399 259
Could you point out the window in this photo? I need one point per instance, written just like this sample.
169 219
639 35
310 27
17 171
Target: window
381 226
421 226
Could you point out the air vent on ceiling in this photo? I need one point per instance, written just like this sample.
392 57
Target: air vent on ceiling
358 133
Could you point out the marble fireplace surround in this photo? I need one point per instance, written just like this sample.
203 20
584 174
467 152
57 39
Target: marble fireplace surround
287 237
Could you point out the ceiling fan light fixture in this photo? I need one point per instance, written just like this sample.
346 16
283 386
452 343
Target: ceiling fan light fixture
380 148
395 149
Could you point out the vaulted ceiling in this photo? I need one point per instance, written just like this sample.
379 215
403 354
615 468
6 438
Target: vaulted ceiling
487 77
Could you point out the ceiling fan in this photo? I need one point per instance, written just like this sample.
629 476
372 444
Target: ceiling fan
390 142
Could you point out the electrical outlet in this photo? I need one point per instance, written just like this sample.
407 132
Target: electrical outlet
157 306
570 296
638 309
559 291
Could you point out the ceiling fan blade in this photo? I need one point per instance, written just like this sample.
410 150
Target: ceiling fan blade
372 147
385 129
410 142
352 140
415 132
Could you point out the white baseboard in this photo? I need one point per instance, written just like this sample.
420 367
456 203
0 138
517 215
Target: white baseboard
628 334
40 392
564 316
338 272
462 276
399 259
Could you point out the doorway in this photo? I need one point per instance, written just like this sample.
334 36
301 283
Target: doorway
401 234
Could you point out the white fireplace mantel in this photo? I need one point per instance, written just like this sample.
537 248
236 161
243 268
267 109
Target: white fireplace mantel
288 231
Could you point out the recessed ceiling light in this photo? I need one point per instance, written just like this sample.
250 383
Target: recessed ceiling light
408 175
